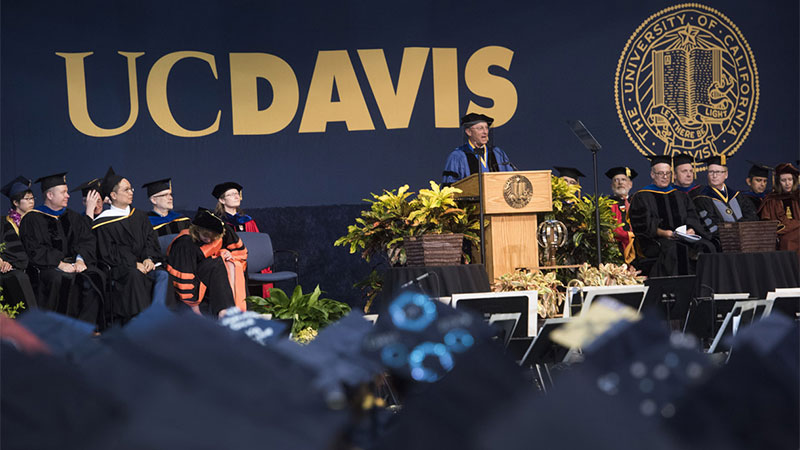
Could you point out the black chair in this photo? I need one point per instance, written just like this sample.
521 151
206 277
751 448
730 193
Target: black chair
261 255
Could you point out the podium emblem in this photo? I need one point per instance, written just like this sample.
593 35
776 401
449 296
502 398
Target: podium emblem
518 191
687 82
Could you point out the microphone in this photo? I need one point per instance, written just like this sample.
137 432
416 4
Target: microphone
415 280
509 163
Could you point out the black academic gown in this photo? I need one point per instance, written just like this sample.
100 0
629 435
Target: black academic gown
15 283
198 277
50 239
122 242
173 226
715 207
667 208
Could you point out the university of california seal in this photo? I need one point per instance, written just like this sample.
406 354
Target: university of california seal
687 83
517 191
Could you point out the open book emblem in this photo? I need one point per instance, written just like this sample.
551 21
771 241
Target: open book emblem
518 191
687 83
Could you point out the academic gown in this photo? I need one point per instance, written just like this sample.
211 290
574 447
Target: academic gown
201 278
243 222
123 241
718 207
50 237
172 223
784 208
15 283
463 162
755 199
691 191
667 208
623 234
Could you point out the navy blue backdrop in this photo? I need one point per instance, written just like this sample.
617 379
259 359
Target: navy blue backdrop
563 63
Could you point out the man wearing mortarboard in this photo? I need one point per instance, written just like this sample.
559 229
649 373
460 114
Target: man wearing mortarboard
571 175
128 246
475 156
657 212
13 260
92 200
62 250
757 180
621 185
684 174
162 217
719 203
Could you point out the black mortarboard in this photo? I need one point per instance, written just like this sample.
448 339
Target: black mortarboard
154 187
627 171
93 185
473 118
109 181
206 219
16 186
719 160
569 172
221 188
758 170
52 180
659 159
681 159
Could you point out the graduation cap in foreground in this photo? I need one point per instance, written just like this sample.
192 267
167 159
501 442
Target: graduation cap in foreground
92 185
473 118
220 189
206 219
16 186
154 187
627 171
110 180
569 172
659 159
50 181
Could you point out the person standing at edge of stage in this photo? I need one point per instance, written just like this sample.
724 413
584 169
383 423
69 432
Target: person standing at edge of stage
474 156
621 186
13 259
62 248
162 217
128 245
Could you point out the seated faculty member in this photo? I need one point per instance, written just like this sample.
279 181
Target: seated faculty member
13 260
475 155
128 246
162 217
656 211
62 249
92 200
757 180
621 185
783 205
684 174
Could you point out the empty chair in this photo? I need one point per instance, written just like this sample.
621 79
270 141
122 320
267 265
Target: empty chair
164 242
260 255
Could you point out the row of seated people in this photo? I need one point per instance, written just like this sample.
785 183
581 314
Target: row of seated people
107 265
650 217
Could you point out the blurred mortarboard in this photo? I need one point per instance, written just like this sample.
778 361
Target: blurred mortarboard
110 180
61 333
16 186
473 118
782 168
720 160
206 219
222 188
154 187
659 159
93 185
683 158
627 171
569 172
49 181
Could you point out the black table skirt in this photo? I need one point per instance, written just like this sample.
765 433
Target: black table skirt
756 273
442 281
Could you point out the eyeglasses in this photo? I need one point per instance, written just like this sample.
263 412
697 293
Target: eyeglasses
716 172
232 195
663 174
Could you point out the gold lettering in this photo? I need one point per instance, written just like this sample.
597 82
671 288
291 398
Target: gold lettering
482 83
702 20
76 95
397 105
334 67
246 69
445 87
157 101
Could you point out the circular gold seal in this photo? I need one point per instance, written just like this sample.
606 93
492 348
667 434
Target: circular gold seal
687 83
518 191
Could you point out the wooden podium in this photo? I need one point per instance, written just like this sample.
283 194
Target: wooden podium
511 201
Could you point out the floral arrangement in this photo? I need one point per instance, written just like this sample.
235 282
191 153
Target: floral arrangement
551 297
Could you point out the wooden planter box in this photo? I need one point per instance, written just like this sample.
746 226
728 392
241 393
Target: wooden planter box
748 237
434 249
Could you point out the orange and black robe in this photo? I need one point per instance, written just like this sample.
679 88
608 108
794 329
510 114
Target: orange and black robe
200 276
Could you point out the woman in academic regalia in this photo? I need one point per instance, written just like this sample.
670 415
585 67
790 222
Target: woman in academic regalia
228 208
13 260
783 205
206 265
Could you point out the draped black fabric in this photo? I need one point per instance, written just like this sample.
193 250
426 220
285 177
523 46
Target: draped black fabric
756 273
474 162
442 281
